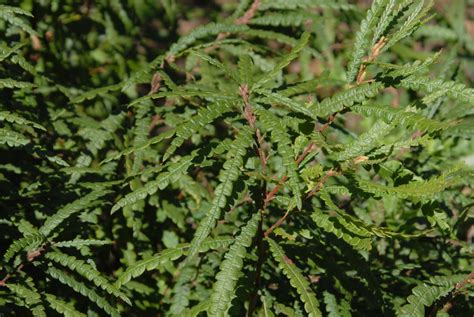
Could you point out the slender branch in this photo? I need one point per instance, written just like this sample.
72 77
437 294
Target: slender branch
245 19
260 253
468 280
374 53
261 202
323 180
30 257
251 119
248 15
299 160
277 223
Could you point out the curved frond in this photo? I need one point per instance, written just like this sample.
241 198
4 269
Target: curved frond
346 98
415 189
230 269
31 298
229 174
62 307
67 211
86 271
334 226
202 32
440 87
34 239
165 256
203 117
365 142
285 61
426 293
279 136
82 289
14 118
405 118
297 280
12 138
362 40
79 243
174 171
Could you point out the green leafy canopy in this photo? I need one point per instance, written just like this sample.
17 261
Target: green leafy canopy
236 158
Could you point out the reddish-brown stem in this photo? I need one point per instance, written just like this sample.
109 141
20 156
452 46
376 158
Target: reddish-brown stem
323 180
277 224
248 15
374 53
251 119
468 279
300 159
30 257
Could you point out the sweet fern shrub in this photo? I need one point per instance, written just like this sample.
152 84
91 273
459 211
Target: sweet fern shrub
226 158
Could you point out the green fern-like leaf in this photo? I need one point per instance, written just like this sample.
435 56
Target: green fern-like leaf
451 89
416 189
35 239
31 297
79 243
405 118
196 309
62 307
333 308
365 142
285 61
12 138
245 70
426 293
346 98
334 226
165 256
388 15
275 98
81 288
67 211
284 19
417 17
149 264
155 140
10 14
86 271
203 117
11 83
362 40
13 118
297 280
280 137
230 269
305 4
174 172
229 174
229 72
94 93
408 69
202 32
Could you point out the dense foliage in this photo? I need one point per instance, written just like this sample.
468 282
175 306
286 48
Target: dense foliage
259 158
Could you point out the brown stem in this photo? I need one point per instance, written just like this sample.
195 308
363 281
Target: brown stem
468 279
323 180
277 223
374 53
30 257
248 15
251 119
300 159
258 270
